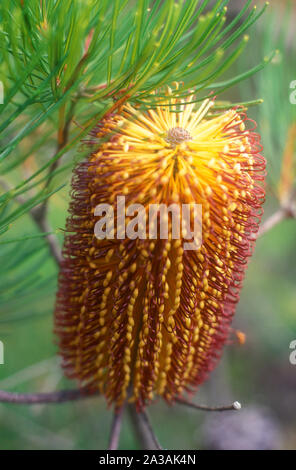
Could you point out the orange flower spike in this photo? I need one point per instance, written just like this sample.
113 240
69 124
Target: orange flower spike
137 317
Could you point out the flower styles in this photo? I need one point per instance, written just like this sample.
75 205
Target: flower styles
138 318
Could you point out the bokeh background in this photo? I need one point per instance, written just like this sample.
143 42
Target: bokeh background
257 373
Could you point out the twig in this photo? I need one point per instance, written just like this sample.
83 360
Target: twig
234 406
143 415
280 215
144 429
52 397
63 135
115 428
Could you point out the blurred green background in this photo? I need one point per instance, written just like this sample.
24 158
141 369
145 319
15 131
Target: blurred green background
258 373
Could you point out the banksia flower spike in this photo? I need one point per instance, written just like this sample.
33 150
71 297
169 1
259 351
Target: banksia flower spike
140 317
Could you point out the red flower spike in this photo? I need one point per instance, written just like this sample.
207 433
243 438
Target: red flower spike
139 317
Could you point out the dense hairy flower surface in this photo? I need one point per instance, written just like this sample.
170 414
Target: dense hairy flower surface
137 318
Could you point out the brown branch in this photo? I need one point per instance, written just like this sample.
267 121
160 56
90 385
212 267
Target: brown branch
116 428
51 397
143 429
234 406
63 136
281 214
